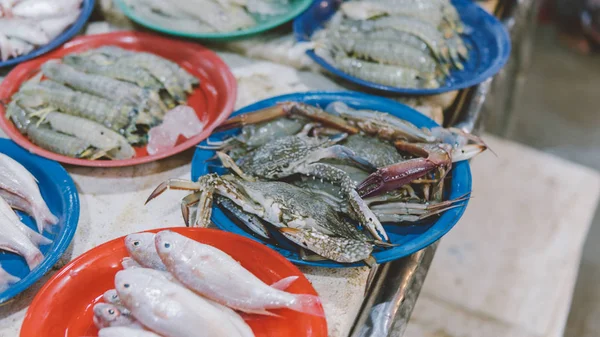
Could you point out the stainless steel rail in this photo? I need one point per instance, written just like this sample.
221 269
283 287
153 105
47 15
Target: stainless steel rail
394 288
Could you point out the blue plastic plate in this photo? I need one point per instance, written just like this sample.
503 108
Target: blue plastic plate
86 11
410 238
59 192
487 39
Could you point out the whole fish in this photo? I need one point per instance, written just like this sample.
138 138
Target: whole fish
216 275
16 179
23 29
53 26
33 236
170 309
6 279
106 315
142 249
236 319
123 331
12 239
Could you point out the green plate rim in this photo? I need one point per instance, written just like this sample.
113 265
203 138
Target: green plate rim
298 8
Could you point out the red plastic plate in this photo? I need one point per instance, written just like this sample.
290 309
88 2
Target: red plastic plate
64 306
213 100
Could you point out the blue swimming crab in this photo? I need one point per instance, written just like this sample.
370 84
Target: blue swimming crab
301 215
436 149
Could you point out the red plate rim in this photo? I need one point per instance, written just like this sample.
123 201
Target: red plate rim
31 324
111 38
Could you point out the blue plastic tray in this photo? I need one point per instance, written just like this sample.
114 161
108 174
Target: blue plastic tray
487 38
60 194
86 11
410 238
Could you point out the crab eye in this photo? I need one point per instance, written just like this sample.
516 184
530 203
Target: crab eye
136 243
167 245
111 311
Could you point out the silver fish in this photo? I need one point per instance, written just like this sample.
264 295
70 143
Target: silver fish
24 30
129 263
216 275
123 331
13 239
142 249
106 314
170 309
37 9
35 237
16 179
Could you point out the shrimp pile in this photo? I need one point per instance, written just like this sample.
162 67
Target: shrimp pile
100 103
206 16
27 24
397 43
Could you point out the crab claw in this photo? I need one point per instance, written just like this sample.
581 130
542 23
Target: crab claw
255 117
394 176
397 175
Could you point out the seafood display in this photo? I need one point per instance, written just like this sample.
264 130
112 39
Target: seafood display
19 190
327 179
206 16
180 287
396 43
28 24
103 102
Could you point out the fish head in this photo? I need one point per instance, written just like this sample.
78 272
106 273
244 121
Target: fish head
140 244
106 312
111 296
169 243
128 282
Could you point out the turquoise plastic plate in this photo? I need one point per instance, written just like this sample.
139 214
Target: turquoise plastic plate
264 23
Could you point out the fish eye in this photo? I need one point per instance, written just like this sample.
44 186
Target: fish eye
167 245
111 311
136 243
115 296
126 285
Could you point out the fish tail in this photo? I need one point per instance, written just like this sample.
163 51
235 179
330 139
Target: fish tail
308 304
284 283
34 259
38 239
43 218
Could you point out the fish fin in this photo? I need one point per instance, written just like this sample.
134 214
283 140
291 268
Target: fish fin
129 262
284 283
33 260
37 238
308 304
263 312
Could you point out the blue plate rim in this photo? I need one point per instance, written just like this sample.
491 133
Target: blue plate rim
427 238
86 12
503 41
69 190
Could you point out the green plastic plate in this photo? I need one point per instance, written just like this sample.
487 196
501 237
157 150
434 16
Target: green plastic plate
264 23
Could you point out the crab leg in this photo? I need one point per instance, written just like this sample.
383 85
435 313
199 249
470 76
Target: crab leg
288 109
342 153
249 220
173 184
358 207
229 163
334 248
